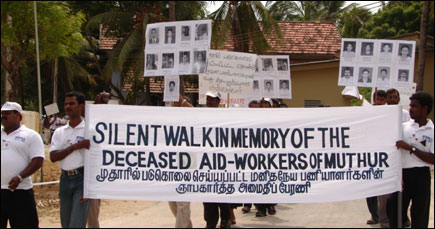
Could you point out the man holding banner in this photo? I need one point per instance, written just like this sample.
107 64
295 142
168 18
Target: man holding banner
181 210
417 149
211 210
68 148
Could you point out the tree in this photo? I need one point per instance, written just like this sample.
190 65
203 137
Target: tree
59 36
249 22
395 19
352 21
307 10
128 22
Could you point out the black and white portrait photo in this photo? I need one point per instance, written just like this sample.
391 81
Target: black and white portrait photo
282 64
405 52
403 76
172 89
383 78
284 87
167 60
185 33
349 49
346 78
184 62
386 51
367 48
268 90
267 65
365 75
171 86
151 61
199 62
170 35
201 32
256 87
153 36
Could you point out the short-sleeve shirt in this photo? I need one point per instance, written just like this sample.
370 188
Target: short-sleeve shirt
63 138
405 116
420 138
18 150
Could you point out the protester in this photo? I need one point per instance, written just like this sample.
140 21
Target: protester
254 104
266 103
417 148
393 98
94 209
55 122
283 105
372 202
380 98
22 154
181 210
211 210
47 131
68 148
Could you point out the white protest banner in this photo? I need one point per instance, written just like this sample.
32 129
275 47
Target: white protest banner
293 155
228 72
51 109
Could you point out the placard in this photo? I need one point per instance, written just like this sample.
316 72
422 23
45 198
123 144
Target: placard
228 73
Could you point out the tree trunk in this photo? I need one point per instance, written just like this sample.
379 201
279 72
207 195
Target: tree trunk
7 93
8 80
12 78
55 79
422 47
171 10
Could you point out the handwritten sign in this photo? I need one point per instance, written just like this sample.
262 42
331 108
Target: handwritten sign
51 109
294 155
228 72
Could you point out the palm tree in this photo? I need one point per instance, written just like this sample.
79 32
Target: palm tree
249 22
129 23
352 21
307 10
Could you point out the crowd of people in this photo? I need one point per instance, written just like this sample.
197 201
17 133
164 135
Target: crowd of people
23 154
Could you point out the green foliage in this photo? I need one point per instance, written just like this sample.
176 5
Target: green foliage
395 19
351 22
58 30
128 21
366 92
241 19
307 10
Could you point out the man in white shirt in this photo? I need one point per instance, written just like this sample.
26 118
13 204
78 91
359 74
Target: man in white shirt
393 98
22 154
373 203
417 148
68 147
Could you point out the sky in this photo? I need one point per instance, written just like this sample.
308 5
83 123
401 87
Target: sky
212 6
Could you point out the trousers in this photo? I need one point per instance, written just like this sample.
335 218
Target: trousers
74 210
94 213
181 211
211 213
